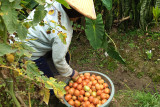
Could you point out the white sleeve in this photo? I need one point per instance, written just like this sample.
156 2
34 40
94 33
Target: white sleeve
59 50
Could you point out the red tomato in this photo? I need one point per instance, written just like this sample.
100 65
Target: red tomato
107 96
76 93
94 82
103 101
70 84
103 95
75 85
67 88
71 102
107 90
95 101
105 85
79 87
86 74
99 92
71 91
91 98
77 103
80 97
82 92
84 83
87 103
79 80
98 77
68 97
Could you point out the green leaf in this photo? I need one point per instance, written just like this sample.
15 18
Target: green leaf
46 94
6 49
10 16
114 54
62 36
41 2
95 31
63 2
11 0
107 4
16 4
39 15
22 32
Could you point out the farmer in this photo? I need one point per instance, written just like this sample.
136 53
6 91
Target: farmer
50 41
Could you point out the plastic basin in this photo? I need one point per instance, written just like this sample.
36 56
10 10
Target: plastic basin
107 80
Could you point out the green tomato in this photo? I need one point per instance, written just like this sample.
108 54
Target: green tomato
94 94
86 88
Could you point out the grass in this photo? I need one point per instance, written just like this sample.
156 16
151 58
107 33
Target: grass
135 98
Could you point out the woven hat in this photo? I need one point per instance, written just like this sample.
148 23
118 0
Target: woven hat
85 7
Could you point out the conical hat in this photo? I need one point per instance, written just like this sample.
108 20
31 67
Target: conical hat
85 7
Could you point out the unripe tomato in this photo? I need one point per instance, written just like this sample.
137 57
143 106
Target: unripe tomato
77 103
76 93
67 88
87 94
68 97
94 94
71 102
86 88
74 97
85 98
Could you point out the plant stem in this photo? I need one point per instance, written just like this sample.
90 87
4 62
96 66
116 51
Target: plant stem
11 92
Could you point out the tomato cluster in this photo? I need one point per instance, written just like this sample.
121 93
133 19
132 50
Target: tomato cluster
87 91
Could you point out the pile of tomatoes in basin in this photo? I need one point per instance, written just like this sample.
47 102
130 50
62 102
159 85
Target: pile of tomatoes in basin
87 91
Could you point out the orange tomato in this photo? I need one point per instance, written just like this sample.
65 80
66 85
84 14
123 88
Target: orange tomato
90 98
103 95
86 74
71 91
74 97
79 80
82 92
99 92
71 102
76 93
94 82
67 88
95 101
68 97
107 96
75 85
87 94
85 98
103 101
79 87
77 103
107 90
80 98
98 77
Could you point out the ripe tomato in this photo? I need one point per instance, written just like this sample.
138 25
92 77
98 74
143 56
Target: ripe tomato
82 92
107 96
74 97
79 80
99 97
87 77
87 80
95 101
93 75
86 74
71 102
100 81
103 95
80 97
79 87
101 87
76 93
107 90
71 91
70 84
84 83
92 78
91 98
105 85
97 87
93 88
99 92
75 85
68 97
77 103
87 103
87 94
67 88
103 101
94 82
98 77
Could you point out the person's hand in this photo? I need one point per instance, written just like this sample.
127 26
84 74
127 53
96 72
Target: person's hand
75 76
